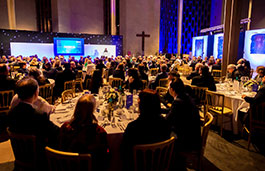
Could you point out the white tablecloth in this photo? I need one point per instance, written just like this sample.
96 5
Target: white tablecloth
234 101
122 117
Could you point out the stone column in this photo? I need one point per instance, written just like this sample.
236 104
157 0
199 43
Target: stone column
180 12
232 18
113 16
11 14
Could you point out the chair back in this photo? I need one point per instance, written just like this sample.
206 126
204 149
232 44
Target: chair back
217 74
79 85
5 100
67 161
67 95
205 130
144 84
115 82
214 99
200 94
257 117
46 92
163 82
161 90
24 149
69 85
155 156
79 75
153 71
88 81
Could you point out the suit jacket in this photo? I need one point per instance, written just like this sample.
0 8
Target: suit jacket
185 123
158 77
192 75
202 81
7 83
62 76
259 98
118 74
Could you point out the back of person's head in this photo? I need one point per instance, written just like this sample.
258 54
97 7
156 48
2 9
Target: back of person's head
177 86
164 68
141 67
204 71
173 74
231 66
149 104
26 88
120 67
198 66
84 110
3 69
34 72
67 66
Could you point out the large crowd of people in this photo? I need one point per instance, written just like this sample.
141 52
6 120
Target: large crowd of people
83 134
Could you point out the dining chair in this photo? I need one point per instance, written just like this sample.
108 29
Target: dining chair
87 83
153 71
79 84
5 100
215 105
24 149
79 75
115 82
144 84
194 158
67 95
156 156
217 74
46 92
200 95
69 85
163 82
256 120
161 90
67 161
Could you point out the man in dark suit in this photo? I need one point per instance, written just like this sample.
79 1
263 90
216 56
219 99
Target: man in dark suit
218 65
161 75
7 83
185 123
24 119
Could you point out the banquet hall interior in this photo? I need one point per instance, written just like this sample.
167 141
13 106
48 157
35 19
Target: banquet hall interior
132 85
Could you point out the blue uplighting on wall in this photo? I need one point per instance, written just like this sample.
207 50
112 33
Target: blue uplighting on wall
196 16
168 26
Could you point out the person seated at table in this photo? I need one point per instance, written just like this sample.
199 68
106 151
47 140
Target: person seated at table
260 74
3 59
6 83
96 82
89 69
217 65
184 120
23 68
134 82
205 79
73 67
100 66
232 71
141 69
195 72
66 75
243 67
119 72
24 119
167 99
150 127
161 75
83 134
34 62
36 74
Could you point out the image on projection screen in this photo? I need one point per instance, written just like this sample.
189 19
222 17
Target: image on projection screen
199 47
254 47
68 46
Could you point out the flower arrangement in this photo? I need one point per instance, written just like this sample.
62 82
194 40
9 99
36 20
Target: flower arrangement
112 96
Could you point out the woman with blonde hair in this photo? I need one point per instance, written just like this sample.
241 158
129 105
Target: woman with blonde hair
83 135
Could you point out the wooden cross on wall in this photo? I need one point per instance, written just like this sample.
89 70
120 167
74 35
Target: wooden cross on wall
143 35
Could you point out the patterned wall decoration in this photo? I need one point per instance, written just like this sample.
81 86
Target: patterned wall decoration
7 36
168 26
196 16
